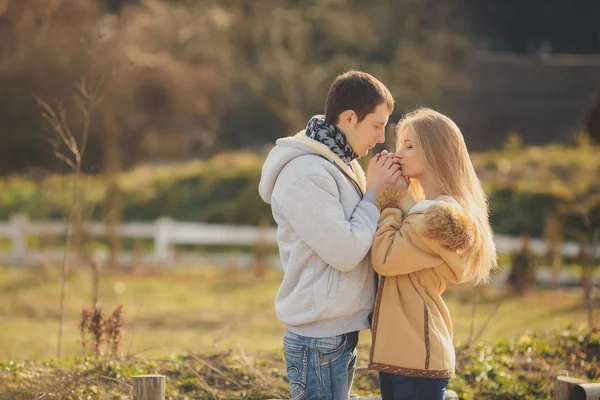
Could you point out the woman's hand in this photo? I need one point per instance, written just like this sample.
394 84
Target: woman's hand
402 182
392 156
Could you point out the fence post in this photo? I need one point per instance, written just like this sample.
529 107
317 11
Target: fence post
149 387
18 224
563 387
164 230
586 391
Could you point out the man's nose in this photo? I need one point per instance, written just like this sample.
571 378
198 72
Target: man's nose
381 138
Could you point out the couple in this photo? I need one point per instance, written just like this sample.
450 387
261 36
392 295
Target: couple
374 252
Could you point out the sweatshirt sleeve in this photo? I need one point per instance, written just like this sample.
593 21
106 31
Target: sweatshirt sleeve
313 209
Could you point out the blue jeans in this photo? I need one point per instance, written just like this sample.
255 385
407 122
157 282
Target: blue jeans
397 387
320 368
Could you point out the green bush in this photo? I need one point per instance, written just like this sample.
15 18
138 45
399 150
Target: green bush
526 367
522 188
517 368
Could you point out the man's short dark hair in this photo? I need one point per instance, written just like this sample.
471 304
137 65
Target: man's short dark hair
356 91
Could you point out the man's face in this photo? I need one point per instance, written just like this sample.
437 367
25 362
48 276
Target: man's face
364 135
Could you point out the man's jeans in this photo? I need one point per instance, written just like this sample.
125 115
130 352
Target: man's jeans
320 368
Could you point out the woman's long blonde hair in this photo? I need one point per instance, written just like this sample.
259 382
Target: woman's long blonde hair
447 165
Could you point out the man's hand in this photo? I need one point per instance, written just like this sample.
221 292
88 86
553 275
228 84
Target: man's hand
402 182
382 171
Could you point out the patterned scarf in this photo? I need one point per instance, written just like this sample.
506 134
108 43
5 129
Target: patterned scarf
330 135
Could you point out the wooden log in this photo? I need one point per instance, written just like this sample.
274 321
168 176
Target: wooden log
149 387
563 387
586 391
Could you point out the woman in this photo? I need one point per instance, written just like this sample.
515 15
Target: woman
433 229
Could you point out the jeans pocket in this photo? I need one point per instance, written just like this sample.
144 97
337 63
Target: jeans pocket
336 367
331 348
296 360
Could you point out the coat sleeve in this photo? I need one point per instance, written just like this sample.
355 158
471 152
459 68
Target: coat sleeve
399 249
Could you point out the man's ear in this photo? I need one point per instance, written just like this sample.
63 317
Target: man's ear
348 118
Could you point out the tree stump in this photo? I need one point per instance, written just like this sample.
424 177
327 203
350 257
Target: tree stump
563 387
586 391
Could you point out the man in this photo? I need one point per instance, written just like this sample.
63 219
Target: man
326 220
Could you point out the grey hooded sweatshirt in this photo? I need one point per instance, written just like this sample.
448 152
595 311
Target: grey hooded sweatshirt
325 229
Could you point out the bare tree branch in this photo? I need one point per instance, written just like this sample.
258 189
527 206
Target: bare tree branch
66 159
87 100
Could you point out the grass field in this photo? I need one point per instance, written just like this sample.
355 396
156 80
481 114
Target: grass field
200 309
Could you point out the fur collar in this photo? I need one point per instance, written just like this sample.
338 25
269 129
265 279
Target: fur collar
442 220
450 225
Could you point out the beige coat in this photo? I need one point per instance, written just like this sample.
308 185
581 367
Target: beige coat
416 254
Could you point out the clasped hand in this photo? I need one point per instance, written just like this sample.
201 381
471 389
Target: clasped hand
385 169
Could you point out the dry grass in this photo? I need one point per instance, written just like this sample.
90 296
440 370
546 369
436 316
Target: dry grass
207 308
214 334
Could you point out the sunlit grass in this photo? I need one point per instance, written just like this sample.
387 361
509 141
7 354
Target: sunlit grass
203 308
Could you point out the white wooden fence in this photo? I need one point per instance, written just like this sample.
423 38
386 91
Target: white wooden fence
166 232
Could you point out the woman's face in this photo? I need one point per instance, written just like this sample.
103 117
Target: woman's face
409 156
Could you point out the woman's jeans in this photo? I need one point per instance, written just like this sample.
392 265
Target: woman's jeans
397 387
320 368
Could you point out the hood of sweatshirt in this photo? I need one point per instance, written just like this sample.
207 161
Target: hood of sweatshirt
287 149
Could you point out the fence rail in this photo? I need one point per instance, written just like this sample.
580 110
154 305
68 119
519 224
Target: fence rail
165 233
